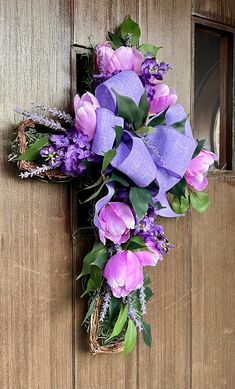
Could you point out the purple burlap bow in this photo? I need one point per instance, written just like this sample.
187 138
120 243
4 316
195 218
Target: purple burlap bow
162 155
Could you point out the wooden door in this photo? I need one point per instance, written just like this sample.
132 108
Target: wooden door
193 313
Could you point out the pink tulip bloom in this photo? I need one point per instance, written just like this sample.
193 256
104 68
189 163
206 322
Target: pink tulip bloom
85 115
164 97
116 220
124 271
123 58
197 170
151 257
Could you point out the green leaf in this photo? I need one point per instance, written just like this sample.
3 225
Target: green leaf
147 280
108 156
146 332
180 205
179 189
121 321
98 182
94 281
144 131
96 256
116 41
153 50
158 120
119 132
130 30
136 243
180 126
159 206
140 199
130 338
148 293
200 201
33 152
114 308
90 310
127 108
118 178
143 110
200 145
94 195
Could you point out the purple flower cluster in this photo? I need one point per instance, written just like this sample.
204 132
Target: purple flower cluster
68 152
152 72
152 232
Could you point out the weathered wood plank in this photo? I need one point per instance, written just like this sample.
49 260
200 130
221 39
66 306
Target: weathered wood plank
213 289
35 280
215 10
167 364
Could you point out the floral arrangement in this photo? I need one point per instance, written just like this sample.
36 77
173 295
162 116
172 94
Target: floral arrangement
130 146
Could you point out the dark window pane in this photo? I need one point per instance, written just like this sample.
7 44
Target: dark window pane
213 91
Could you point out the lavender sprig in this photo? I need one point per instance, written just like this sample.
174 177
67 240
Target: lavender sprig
56 113
35 172
132 314
105 306
142 297
40 119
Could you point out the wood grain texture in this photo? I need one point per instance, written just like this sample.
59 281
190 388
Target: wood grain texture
35 275
96 18
221 11
213 289
167 364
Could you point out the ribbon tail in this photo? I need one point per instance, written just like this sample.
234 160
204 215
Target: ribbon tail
102 202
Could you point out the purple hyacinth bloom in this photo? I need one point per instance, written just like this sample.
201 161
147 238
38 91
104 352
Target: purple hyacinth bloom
52 155
73 166
152 72
59 140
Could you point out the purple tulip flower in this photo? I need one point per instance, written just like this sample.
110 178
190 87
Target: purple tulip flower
123 58
163 98
116 220
85 115
124 271
195 174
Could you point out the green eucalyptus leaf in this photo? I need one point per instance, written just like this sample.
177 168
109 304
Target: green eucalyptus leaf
200 201
147 48
140 199
119 132
146 333
108 156
130 338
130 30
127 108
200 145
121 321
33 152
180 205
116 41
